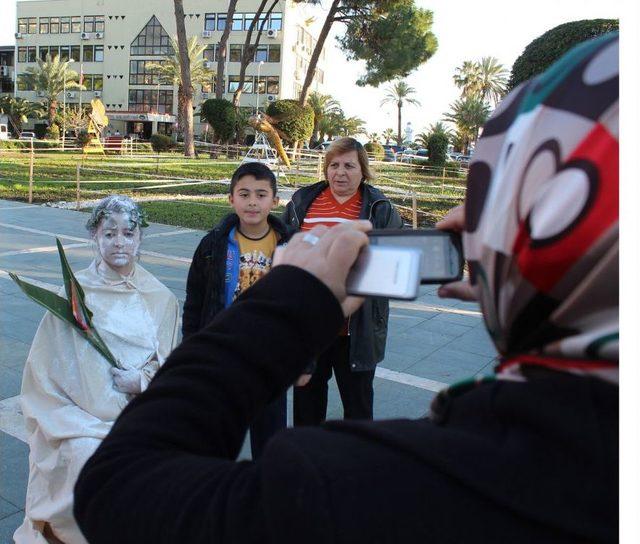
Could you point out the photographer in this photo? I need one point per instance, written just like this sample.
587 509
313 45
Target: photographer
529 455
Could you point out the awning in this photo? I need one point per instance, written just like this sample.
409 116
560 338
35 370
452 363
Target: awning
139 116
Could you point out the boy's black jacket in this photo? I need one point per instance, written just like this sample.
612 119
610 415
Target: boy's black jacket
205 283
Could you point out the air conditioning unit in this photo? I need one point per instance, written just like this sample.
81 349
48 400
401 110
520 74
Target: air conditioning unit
207 33
208 65
71 94
4 71
19 35
99 35
97 94
271 33
85 36
271 98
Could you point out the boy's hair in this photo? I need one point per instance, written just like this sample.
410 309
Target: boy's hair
258 171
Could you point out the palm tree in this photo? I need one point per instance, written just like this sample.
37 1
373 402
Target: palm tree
468 115
374 137
467 78
422 139
493 80
18 111
485 79
186 108
440 128
399 94
352 126
322 105
387 134
51 77
169 72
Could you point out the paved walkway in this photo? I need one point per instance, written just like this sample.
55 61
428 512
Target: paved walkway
431 342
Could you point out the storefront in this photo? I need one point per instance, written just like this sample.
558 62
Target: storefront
141 125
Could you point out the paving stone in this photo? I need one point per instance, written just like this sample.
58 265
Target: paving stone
10 382
13 353
8 525
460 319
7 508
450 365
14 469
476 341
441 327
18 328
396 361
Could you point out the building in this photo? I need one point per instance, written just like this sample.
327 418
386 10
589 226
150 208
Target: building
112 42
7 69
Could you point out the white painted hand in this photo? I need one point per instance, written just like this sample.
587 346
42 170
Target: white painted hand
127 381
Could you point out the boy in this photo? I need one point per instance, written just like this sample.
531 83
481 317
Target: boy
231 258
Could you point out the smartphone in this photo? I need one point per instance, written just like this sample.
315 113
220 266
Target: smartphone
386 271
441 250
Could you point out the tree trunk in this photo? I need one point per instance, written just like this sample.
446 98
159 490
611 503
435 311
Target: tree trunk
399 139
181 126
313 62
53 109
222 50
185 76
249 50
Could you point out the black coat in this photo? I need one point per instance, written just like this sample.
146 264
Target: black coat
368 326
527 462
206 280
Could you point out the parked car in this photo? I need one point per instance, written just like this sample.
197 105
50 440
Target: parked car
25 135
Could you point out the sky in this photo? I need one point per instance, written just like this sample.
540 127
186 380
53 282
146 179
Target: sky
465 31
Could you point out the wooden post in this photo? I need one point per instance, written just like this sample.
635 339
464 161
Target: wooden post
31 161
414 210
319 167
77 187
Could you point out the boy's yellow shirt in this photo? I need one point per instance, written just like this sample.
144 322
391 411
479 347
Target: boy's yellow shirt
256 257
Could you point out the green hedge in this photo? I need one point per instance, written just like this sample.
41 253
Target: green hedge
26 144
437 145
296 122
222 117
375 149
161 142
546 49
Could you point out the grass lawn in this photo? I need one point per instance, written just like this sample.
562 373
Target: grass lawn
55 174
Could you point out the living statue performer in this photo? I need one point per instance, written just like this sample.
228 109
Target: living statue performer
71 395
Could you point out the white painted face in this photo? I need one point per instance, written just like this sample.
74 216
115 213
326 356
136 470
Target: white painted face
118 242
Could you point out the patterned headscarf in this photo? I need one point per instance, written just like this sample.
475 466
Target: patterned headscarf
542 217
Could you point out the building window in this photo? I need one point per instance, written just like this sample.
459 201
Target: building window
44 25
22 84
23 26
27 54
64 53
150 100
235 52
94 23
140 74
54 25
33 25
320 76
234 83
222 21
65 25
274 53
75 53
248 19
261 84
211 86
93 82
211 53
209 21
237 21
261 54
153 40
273 85
275 21
93 53
76 25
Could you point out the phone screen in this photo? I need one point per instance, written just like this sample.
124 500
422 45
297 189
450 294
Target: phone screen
441 251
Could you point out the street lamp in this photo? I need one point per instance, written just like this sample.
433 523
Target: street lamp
64 106
258 87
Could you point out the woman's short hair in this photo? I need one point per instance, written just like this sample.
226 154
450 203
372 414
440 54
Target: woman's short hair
116 204
344 145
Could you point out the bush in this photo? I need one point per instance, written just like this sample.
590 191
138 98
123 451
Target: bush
437 144
53 133
221 116
546 49
296 123
375 149
83 138
26 144
161 142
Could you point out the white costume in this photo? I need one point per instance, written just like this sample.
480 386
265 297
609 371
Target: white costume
68 396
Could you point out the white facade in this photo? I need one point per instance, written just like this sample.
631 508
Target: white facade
111 40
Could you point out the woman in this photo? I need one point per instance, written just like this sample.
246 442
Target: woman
70 394
346 195
529 455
